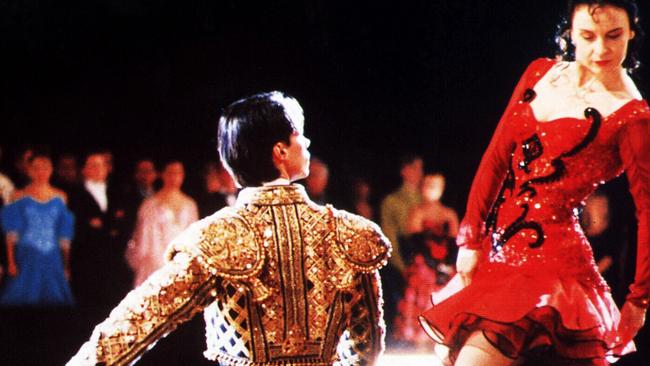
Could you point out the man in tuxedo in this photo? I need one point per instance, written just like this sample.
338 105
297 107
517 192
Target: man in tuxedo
100 275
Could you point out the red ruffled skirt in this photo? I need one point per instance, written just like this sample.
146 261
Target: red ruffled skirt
528 315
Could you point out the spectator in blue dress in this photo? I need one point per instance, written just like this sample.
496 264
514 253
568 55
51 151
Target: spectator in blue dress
38 228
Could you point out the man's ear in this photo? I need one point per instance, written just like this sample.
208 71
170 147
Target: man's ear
280 151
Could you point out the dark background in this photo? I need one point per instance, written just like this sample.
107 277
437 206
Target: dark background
375 79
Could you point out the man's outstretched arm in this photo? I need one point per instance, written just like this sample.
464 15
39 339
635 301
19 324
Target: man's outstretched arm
171 296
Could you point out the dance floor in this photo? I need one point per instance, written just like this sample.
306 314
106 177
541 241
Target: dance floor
51 336
393 359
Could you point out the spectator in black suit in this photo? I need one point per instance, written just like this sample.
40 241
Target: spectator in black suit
66 173
100 275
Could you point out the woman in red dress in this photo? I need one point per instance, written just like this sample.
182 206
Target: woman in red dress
432 228
528 287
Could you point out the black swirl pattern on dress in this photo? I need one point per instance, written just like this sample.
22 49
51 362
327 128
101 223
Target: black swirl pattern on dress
532 149
518 225
559 170
508 185
529 95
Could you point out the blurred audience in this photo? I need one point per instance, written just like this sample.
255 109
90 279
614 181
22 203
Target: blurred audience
141 187
317 180
396 206
161 218
596 223
228 187
144 177
38 228
211 198
6 187
108 157
395 209
20 176
6 192
66 173
430 255
100 276
407 333
361 198
431 215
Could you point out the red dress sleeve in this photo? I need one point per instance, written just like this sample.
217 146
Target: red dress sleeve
494 165
634 148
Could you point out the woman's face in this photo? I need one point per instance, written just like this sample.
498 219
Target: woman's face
432 187
40 169
173 175
600 36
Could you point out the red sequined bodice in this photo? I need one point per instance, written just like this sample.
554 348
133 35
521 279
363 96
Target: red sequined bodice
533 178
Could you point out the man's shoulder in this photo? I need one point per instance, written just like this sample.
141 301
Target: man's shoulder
393 198
207 226
360 242
225 242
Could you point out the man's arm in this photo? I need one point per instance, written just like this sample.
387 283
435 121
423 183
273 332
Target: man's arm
364 339
171 296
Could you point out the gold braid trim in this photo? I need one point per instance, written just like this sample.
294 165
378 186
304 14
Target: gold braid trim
169 297
231 250
360 246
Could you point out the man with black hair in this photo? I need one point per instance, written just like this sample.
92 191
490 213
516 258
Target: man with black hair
281 280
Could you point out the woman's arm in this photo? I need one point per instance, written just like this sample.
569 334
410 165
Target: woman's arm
12 269
65 236
493 167
64 244
635 154
488 180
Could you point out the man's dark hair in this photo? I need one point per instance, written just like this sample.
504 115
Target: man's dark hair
91 152
40 152
248 130
408 159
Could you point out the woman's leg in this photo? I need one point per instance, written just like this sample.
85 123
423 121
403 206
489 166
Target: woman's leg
478 351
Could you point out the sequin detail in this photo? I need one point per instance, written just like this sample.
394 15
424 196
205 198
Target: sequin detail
281 281
531 150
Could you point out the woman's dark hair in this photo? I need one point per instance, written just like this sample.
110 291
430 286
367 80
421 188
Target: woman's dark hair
566 50
40 152
248 130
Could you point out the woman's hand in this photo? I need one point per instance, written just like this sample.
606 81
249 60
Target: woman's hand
632 319
466 264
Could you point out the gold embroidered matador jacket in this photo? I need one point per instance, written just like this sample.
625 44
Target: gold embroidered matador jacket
280 280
